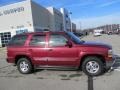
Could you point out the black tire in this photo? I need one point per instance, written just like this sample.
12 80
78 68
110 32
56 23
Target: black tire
95 60
27 64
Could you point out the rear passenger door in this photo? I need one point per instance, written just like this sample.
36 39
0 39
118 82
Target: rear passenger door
37 49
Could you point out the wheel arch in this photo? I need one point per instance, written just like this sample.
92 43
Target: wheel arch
91 55
22 56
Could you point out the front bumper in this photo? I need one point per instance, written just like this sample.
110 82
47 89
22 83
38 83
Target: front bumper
110 63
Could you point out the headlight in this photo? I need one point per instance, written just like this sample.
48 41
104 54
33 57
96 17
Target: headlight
110 53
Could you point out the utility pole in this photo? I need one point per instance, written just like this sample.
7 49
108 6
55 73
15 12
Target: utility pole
80 25
70 13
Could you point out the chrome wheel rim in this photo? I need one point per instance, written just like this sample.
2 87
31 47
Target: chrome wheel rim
92 67
24 67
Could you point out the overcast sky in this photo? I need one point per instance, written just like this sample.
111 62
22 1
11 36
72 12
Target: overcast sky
88 13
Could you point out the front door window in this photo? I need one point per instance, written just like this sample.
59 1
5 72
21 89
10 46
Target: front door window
57 40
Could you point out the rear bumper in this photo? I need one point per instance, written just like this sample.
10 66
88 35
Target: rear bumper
13 64
10 60
7 60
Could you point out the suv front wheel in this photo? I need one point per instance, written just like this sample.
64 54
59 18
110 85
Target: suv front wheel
92 66
24 66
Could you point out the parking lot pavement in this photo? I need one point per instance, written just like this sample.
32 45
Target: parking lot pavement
113 40
11 79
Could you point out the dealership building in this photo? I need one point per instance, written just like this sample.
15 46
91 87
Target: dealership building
28 16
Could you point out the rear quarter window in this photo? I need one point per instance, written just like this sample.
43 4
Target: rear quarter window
18 40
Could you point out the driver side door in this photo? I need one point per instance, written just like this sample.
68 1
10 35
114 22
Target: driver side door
59 54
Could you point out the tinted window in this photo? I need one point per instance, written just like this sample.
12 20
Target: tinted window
18 40
57 40
38 40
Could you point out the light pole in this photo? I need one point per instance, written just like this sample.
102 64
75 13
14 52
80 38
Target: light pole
80 25
70 13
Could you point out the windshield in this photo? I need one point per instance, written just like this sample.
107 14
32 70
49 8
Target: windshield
74 38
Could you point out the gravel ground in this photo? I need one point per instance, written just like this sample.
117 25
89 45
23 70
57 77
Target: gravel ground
11 79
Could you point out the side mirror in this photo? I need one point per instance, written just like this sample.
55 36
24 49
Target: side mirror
69 43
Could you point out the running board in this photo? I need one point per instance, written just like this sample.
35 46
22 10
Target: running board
57 68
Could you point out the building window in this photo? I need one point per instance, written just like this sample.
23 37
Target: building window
21 31
5 38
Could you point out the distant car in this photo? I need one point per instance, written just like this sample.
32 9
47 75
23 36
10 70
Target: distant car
56 50
110 33
118 31
97 33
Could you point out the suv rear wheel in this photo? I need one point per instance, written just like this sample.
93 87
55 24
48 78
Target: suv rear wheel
24 66
92 66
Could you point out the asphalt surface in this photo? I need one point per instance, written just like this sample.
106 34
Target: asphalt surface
11 79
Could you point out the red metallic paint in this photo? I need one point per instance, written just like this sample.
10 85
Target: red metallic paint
55 56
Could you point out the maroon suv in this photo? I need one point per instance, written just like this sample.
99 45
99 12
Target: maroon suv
58 50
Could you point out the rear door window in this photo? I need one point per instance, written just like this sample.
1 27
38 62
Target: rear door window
18 40
38 40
